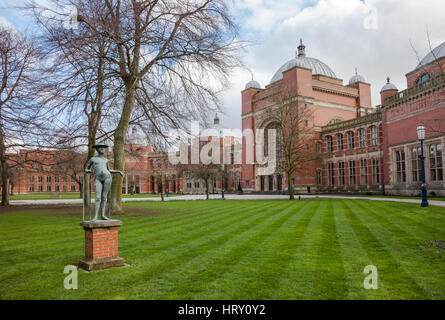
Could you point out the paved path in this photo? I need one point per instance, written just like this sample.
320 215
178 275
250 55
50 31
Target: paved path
228 197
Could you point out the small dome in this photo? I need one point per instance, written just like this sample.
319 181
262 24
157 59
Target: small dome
388 86
436 53
356 78
252 84
301 60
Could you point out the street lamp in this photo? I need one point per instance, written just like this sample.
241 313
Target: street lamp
421 136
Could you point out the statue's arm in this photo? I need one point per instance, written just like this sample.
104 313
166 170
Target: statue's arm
115 171
89 164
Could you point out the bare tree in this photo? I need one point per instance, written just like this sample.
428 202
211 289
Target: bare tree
84 90
169 56
71 163
294 122
206 173
19 113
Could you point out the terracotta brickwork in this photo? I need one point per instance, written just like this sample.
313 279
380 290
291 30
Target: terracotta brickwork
101 243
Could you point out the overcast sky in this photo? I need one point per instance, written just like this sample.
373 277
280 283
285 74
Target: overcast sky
373 36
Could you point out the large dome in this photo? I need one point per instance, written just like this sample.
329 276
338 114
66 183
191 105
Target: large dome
301 60
436 53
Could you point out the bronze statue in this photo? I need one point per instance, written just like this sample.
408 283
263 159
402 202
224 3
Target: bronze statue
102 180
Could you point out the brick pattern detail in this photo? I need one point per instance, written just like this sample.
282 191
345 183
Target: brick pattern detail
101 243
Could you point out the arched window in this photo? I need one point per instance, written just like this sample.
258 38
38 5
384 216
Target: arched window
424 78
278 142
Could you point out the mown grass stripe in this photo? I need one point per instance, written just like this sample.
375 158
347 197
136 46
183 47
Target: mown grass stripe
179 234
184 239
288 286
399 284
404 247
355 257
194 248
229 257
261 279
330 279
301 270
408 218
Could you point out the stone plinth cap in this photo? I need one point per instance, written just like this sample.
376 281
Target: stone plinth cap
101 224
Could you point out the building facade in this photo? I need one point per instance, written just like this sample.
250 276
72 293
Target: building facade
361 149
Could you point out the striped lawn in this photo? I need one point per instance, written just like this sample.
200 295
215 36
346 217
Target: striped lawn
260 249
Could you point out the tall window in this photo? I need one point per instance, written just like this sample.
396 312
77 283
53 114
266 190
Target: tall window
279 151
73 185
331 173
416 164
124 185
362 138
400 166
48 183
318 147
436 167
374 136
341 173
152 164
31 184
329 144
166 164
40 183
340 141
350 140
56 184
65 184
352 176
363 172
375 171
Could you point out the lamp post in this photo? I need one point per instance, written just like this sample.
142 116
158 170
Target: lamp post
421 136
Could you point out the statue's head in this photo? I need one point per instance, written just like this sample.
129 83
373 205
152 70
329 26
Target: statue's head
100 148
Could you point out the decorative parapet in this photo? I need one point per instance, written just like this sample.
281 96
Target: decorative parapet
414 91
373 117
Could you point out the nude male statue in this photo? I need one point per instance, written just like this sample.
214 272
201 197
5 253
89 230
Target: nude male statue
102 180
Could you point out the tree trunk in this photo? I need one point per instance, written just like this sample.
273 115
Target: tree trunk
162 189
5 172
81 191
290 187
207 189
118 149
92 128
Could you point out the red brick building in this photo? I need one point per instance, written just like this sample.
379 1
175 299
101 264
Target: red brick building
361 149
380 151
147 170
317 88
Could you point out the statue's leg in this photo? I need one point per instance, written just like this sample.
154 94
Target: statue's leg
106 189
98 196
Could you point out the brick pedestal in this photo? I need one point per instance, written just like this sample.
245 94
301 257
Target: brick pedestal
101 245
